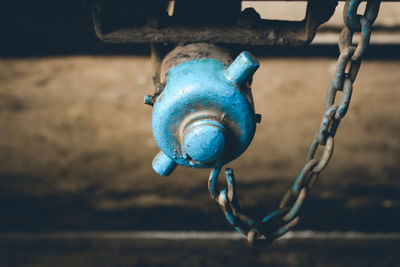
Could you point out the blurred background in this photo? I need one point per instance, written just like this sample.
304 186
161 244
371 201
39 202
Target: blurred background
76 148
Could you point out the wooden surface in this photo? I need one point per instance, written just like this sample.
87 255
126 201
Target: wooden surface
128 249
76 148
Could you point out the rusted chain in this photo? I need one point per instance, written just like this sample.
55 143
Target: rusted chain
280 221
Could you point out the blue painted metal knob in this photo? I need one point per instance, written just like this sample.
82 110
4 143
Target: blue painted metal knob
242 68
163 165
204 141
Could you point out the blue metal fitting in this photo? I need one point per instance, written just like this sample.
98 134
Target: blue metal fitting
163 165
204 117
244 66
204 140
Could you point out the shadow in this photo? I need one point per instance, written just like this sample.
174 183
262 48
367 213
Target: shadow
48 28
357 208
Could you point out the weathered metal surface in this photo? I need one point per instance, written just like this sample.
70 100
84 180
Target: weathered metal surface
182 54
214 22
204 116
280 221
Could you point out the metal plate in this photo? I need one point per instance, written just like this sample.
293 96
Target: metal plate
230 27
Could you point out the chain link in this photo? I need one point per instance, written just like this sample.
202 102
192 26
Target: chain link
280 221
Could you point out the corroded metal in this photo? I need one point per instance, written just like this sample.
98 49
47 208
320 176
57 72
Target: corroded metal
207 21
280 221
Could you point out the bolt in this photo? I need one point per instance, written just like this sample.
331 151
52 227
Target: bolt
258 118
248 18
204 141
149 100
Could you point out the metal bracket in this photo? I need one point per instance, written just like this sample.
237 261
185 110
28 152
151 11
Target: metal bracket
153 25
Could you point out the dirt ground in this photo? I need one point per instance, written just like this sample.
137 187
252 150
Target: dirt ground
76 148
